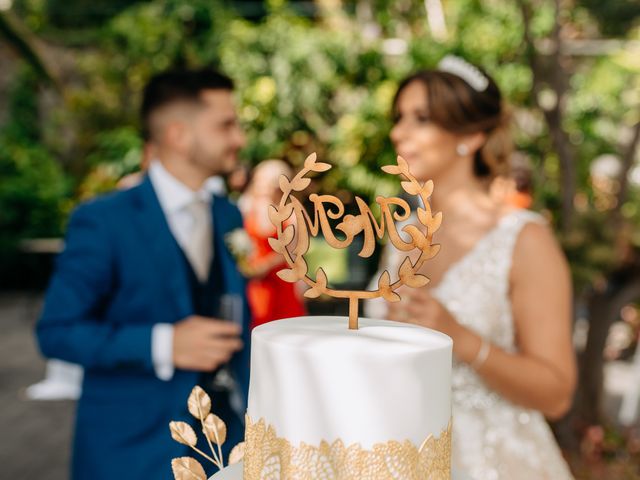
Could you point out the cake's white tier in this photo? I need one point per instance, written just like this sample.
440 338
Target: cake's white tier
234 472
313 379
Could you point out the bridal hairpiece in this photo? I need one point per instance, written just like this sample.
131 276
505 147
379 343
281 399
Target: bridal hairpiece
466 71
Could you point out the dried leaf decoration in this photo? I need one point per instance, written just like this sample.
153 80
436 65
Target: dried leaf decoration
274 215
423 217
285 186
287 235
351 226
182 433
410 188
279 215
276 245
384 285
287 275
312 293
321 284
236 454
300 184
300 266
427 188
310 161
187 468
199 403
409 277
321 167
215 429
436 221
321 278
392 169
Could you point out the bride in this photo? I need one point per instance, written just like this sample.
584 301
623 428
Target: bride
500 286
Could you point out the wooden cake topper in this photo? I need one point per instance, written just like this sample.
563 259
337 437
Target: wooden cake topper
328 207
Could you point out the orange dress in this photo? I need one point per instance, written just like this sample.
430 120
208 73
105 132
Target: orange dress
270 297
520 200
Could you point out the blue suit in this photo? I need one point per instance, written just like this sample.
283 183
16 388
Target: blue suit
121 273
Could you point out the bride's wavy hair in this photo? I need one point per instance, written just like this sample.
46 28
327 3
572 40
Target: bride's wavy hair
457 107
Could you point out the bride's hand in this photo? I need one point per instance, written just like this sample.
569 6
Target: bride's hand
418 306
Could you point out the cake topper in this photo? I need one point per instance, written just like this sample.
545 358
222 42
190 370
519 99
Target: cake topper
292 240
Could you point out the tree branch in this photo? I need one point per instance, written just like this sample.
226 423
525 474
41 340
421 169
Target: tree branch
553 115
628 157
25 44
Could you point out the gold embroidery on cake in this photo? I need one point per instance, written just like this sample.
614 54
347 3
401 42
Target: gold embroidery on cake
268 457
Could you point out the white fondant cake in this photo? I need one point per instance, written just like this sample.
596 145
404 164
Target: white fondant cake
313 379
234 472
318 388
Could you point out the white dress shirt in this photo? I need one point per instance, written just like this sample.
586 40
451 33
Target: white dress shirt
174 198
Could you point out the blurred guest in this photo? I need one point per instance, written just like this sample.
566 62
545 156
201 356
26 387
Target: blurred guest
238 180
270 297
63 381
516 187
137 297
500 286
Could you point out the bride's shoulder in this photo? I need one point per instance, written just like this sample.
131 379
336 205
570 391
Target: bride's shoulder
520 217
535 244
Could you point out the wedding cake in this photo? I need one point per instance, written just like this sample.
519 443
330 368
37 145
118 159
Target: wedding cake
326 402
332 398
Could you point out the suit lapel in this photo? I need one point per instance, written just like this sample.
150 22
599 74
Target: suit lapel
168 263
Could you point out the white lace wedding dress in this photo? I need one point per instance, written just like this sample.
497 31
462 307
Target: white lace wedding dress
492 437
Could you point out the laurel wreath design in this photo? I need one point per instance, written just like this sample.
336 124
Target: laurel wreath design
407 272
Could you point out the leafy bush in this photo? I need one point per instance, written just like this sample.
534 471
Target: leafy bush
33 187
325 84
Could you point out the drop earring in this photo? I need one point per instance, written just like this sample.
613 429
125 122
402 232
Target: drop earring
462 150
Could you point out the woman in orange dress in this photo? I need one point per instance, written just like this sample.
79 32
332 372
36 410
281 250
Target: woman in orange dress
270 297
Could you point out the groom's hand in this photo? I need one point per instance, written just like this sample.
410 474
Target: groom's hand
203 344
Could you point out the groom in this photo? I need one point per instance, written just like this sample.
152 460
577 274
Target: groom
140 290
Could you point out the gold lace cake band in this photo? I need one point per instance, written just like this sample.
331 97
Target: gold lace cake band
269 457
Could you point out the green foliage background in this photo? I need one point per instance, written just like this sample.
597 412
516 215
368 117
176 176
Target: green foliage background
321 83
34 190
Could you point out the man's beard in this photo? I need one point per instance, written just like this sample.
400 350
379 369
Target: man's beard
206 163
